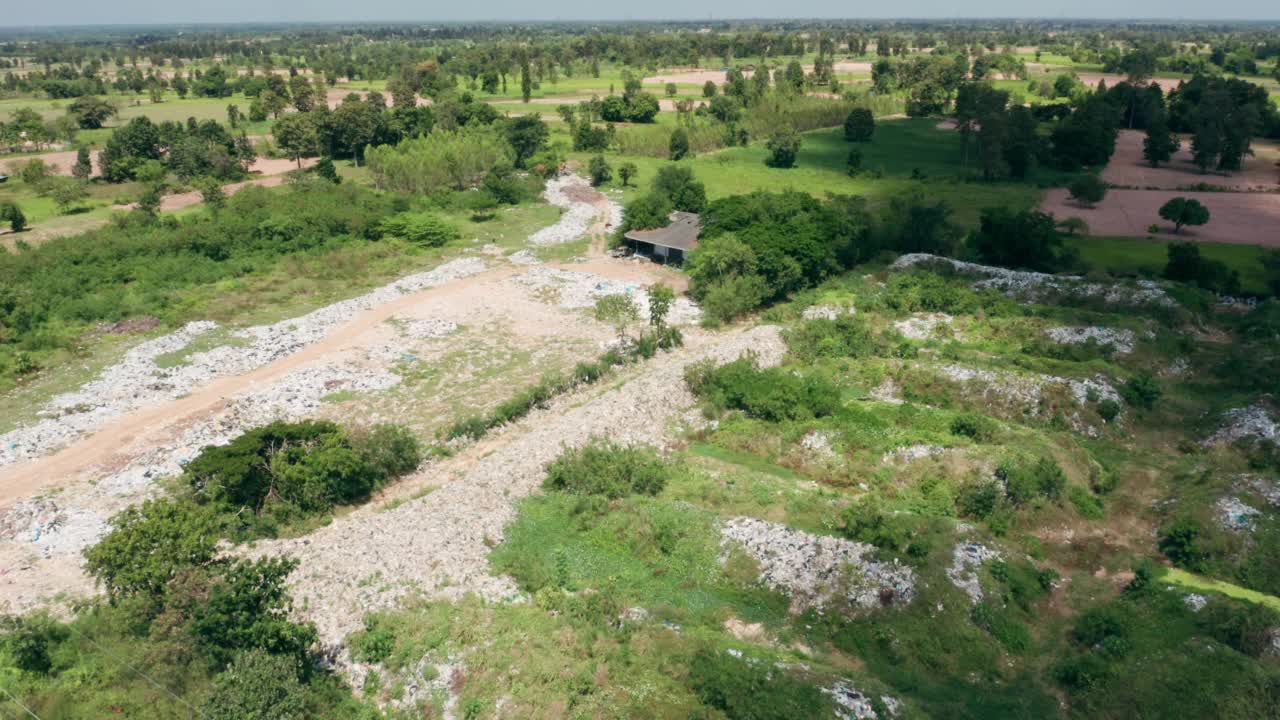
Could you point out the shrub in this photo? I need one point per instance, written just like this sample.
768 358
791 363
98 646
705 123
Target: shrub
678 148
1179 543
392 450
1185 264
751 691
1108 410
974 425
1088 189
772 394
603 467
1026 481
865 520
373 644
1141 390
859 126
599 170
784 146
978 500
28 640
257 686
420 229
1087 504
843 336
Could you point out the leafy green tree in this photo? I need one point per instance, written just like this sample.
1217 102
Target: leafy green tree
1021 141
150 544
1027 239
303 94
1160 142
1088 189
599 170
526 80
233 115
859 126
128 148
528 136
35 172
678 147
725 108
91 112
84 166
783 146
66 192
677 184
709 89
618 311
12 214
1184 211
296 136
911 223
273 103
626 171
211 192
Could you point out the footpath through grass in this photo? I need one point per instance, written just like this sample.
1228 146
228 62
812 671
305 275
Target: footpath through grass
1182 578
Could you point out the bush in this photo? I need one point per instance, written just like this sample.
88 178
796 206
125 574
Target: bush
859 126
1179 543
678 148
258 686
599 170
866 521
375 643
605 468
784 146
1027 481
28 641
773 394
843 336
974 425
978 500
422 229
392 450
1141 390
751 691
1108 410
1185 264
1088 189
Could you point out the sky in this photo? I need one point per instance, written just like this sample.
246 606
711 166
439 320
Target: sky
17 13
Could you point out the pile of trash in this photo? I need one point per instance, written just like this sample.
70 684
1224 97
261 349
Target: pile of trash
814 570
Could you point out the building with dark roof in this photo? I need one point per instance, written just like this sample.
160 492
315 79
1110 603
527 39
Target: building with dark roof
669 244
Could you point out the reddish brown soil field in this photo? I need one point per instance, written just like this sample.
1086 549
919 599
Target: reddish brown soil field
1128 168
1243 218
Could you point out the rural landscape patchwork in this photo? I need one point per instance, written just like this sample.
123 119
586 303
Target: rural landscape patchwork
721 370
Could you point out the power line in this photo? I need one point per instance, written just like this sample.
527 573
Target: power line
14 698
136 671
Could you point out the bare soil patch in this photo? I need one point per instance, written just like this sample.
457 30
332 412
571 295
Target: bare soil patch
1129 168
1241 218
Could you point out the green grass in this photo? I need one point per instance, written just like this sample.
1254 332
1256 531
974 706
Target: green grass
1139 256
898 148
746 460
1182 578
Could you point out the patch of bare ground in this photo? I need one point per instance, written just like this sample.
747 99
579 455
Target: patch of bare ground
1240 218
1128 168
437 545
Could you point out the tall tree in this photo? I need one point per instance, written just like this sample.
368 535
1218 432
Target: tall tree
1160 143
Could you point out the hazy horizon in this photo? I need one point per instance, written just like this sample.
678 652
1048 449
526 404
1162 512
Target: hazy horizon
152 12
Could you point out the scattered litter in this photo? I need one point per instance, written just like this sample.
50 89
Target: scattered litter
815 569
1246 422
566 192
852 704
577 290
818 443
966 559
923 326
1235 515
1122 341
825 312
524 257
911 453
137 380
1035 286
1195 601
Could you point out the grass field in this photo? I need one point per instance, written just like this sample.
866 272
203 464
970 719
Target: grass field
1182 578
899 149
1139 256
